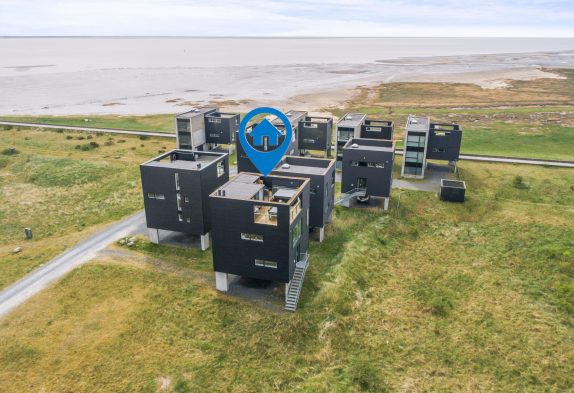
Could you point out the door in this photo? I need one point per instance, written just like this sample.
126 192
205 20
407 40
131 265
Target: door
362 182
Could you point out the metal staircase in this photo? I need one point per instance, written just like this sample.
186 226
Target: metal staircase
292 297
345 198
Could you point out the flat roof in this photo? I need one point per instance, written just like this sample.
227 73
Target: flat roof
418 123
293 116
351 120
246 186
296 164
197 111
185 159
370 145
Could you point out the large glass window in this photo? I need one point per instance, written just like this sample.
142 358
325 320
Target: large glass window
296 232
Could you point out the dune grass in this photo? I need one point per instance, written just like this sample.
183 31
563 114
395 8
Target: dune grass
158 123
430 296
63 193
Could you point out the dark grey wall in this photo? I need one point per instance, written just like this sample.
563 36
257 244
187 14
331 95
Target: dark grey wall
444 144
377 131
231 254
223 132
195 185
379 180
315 138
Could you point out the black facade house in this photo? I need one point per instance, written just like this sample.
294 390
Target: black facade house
260 230
321 173
377 129
190 128
205 129
444 142
368 168
315 134
220 129
348 127
244 163
176 186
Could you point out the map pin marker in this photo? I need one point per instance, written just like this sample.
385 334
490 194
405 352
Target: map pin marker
265 134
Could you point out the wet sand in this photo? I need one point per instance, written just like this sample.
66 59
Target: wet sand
45 89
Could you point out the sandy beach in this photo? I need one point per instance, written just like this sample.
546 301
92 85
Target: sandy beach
85 76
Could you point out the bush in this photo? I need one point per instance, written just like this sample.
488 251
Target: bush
365 375
108 143
144 137
89 137
519 183
10 151
122 141
7 128
87 146
81 138
68 137
94 145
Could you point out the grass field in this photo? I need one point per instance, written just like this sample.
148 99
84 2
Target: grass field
63 187
430 296
158 123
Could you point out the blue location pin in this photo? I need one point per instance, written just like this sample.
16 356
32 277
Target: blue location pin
265 161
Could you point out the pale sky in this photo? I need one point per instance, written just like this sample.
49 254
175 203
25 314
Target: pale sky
333 18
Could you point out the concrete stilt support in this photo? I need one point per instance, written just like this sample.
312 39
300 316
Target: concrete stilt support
230 149
204 240
221 282
386 203
153 235
321 233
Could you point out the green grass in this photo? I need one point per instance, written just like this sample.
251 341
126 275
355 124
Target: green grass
63 193
158 123
430 296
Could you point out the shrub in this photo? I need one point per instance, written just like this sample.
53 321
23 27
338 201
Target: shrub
89 137
144 137
108 143
122 141
68 137
365 375
94 145
519 183
81 138
7 128
10 151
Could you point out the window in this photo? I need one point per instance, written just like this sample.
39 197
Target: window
313 191
416 141
296 232
252 236
264 263
375 165
310 141
179 217
263 214
186 200
214 120
310 125
438 150
178 197
354 163
441 133
220 168
214 135
151 195
188 220
374 129
176 181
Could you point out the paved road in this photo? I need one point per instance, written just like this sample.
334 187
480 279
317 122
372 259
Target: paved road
40 278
